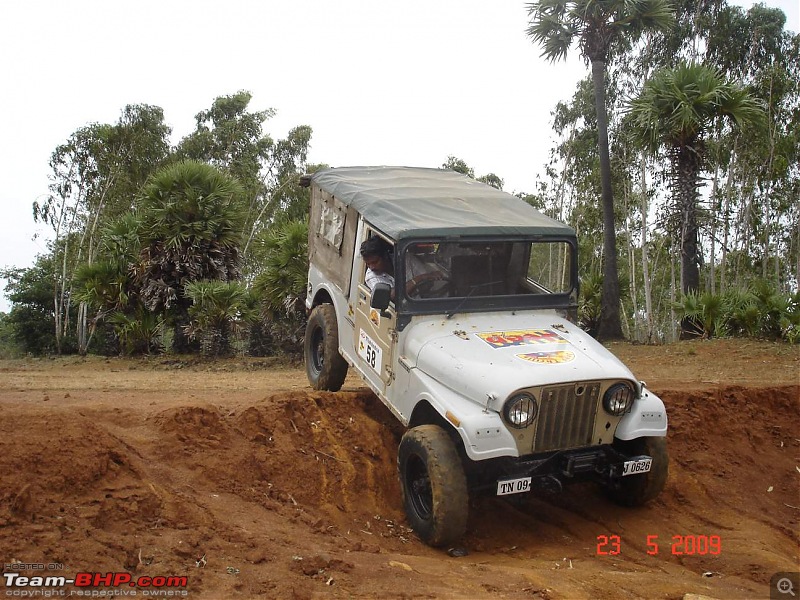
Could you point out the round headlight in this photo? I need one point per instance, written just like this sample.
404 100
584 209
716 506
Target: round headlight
520 410
618 399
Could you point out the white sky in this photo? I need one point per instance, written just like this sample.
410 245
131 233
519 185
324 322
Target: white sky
399 83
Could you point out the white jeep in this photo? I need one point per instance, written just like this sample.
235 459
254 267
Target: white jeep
472 348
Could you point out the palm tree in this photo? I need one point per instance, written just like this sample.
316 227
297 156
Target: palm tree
599 26
280 288
191 217
219 310
676 109
282 281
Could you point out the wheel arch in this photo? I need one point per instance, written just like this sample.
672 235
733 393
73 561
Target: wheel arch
322 296
425 413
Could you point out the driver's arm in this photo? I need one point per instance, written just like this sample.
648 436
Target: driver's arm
418 271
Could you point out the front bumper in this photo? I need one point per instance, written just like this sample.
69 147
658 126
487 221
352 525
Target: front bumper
552 471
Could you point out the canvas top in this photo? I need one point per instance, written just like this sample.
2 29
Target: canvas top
412 202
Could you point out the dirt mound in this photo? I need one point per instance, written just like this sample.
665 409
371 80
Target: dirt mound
331 454
295 494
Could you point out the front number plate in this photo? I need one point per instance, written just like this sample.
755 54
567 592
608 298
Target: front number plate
635 467
513 486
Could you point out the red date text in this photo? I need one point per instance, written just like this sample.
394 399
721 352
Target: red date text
680 545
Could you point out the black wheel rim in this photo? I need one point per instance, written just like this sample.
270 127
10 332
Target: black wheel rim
318 349
418 484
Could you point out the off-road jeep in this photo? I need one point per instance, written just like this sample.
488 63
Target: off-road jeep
501 393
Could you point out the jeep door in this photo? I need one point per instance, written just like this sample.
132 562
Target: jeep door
374 333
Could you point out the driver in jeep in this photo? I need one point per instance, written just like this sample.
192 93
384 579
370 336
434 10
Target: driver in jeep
377 255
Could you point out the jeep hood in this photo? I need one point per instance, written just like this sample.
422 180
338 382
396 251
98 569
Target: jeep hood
498 354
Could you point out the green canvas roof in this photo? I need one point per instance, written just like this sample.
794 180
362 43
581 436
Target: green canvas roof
405 202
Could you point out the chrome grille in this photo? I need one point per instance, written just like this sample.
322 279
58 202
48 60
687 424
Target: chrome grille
566 417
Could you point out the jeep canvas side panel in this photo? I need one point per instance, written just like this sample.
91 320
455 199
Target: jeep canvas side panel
331 237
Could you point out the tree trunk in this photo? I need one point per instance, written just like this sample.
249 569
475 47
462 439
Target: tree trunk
797 251
686 177
672 296
648 296
723 265
634 333
714 211
610 326
82 330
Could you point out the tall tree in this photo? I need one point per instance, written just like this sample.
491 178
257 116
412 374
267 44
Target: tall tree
190 229
95 176
676 110
230 136
599 27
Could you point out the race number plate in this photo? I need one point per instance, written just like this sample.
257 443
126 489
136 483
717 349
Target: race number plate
370 351
636 467
513 486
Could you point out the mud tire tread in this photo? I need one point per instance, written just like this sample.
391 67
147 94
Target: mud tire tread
447 522
636 490
331 373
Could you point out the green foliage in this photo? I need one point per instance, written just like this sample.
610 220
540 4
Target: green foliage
190 217
492 180
30 324
601 29
590 302
282 283
759 311
702 315
139 332
230 137
8 344
102 285
220 310
459 166
95 175
598 27
190 229
281 289
677 107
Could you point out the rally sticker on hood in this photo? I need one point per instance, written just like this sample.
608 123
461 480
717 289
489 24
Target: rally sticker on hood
524 337
548 358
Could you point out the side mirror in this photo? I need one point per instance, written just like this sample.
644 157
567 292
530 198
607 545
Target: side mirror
381 296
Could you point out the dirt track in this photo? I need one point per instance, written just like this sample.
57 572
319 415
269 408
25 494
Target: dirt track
238 476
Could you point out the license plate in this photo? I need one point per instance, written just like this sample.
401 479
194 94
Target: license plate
370 352
635 467
513 486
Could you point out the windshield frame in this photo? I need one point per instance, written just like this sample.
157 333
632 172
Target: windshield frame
407 305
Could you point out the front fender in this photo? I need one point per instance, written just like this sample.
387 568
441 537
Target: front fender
647 418
481 429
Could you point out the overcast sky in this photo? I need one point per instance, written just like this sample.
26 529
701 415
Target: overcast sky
395 83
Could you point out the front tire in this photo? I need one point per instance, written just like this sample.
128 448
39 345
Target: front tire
325 367
635 490
434 485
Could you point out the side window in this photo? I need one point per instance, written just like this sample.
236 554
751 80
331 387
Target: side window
549 267
377 254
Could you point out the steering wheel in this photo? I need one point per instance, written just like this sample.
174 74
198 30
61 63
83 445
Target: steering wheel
432 288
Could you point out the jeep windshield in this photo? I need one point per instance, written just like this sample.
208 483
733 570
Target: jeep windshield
479 275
